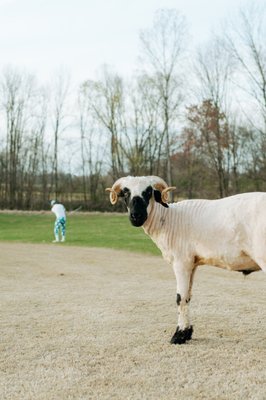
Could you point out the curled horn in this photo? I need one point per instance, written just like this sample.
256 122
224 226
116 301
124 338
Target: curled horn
164 189
114 193
165 193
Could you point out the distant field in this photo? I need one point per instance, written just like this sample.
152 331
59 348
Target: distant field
84 229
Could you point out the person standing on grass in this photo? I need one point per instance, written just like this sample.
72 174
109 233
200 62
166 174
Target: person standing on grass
60 221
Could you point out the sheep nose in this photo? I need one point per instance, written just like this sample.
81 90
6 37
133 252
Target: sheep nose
135 216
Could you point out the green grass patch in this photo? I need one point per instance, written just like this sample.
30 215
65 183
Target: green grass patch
92 230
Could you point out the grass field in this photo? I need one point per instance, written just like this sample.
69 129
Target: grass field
93 230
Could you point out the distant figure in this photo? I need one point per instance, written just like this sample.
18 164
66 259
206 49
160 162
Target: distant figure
60 222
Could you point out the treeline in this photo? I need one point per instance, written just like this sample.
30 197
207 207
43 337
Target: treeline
197 118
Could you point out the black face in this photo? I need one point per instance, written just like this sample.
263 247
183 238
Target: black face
137 205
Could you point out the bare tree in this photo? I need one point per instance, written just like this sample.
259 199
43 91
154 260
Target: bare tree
83 127
92 148
17 90
163 48
245 42
36 156
106 103
210 133
60 91
145 146
213 69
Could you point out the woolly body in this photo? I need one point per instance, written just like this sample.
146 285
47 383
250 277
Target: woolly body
228 233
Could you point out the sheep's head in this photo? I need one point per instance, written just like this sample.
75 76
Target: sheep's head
138 192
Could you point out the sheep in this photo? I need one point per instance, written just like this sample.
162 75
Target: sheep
229 233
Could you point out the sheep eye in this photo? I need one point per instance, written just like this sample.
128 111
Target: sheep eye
125 193
147 193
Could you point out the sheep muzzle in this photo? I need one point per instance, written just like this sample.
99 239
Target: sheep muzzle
137 211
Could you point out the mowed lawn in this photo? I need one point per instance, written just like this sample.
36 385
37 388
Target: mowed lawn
112 231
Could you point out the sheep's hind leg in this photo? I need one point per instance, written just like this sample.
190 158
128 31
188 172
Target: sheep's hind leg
184 330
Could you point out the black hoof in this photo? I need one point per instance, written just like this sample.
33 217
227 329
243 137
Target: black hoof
181 336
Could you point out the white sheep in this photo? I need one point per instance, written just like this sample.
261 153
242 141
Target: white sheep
228 233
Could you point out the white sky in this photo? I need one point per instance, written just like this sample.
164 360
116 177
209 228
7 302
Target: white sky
42 36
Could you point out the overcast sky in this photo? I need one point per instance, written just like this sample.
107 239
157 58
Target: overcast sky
81 35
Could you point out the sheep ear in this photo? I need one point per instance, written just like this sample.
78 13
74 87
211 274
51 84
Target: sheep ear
158 198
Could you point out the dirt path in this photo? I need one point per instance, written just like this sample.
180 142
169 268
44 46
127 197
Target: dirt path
82 323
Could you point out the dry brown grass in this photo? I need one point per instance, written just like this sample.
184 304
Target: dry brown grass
83 323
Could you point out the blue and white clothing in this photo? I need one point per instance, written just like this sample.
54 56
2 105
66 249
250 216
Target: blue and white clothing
60 222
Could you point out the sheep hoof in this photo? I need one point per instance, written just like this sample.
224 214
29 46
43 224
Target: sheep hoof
181 336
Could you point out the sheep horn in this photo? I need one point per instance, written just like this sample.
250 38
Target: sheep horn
165 193
113 195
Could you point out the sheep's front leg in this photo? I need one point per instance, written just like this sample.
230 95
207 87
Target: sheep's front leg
184 275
